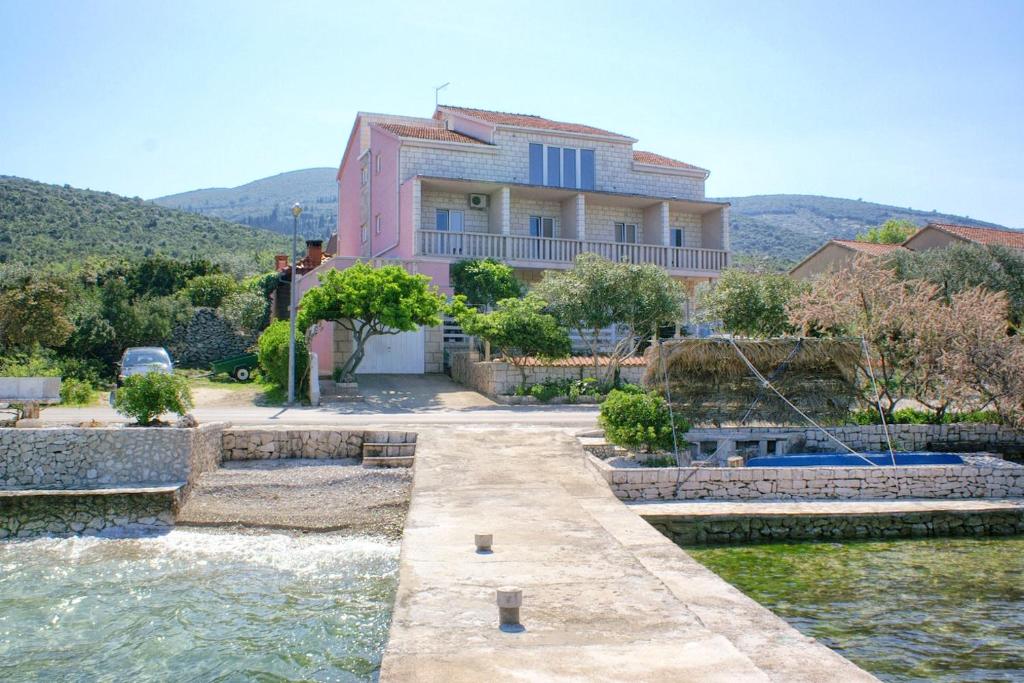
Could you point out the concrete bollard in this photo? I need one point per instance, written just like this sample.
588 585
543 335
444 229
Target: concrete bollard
735 461
510 599
483 542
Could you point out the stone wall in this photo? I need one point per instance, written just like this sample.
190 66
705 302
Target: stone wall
76 458
268 443
206 337
498 378
87 515
800 527
979 477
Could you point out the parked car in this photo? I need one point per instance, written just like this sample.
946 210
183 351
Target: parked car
142 359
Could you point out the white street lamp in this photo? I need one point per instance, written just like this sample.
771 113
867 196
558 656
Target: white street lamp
293 291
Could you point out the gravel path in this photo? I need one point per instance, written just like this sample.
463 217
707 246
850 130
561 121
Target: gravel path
304 495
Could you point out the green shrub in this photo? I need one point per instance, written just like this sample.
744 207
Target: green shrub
210 290
246 310
75 392
146 397
913 416
639 421
273 356
548 389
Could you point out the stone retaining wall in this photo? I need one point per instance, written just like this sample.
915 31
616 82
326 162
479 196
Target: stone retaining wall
76 458
793 527
498 378
980 477
87 515
266 443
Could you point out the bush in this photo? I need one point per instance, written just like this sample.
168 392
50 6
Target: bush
246 310
548 389
273 356
638 421
75 392
210 290
912 416
146 397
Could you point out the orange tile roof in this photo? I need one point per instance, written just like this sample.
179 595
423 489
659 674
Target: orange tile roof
530 121
988 236
583 362
429 133
658 160
869 247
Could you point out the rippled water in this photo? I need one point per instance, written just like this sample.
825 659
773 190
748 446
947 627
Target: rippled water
910 610
195 605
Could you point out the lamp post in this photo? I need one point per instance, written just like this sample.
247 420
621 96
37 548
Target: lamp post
293 292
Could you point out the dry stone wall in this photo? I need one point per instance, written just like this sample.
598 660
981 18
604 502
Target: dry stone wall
76 458
263 443
86 515
206 337
498 378
979 477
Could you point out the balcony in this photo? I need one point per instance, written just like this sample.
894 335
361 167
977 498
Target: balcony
546 252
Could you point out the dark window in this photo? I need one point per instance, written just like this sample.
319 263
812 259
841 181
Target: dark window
587 169
568 167
626 233
536 164
541 226
441 222
554 167
677 237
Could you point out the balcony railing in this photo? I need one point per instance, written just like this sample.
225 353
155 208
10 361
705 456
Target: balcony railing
516 248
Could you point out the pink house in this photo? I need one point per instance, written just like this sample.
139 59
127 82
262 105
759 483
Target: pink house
529 191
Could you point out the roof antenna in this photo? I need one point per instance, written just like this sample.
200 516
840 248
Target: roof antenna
437 90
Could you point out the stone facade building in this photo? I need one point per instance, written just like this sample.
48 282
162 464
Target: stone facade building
527 190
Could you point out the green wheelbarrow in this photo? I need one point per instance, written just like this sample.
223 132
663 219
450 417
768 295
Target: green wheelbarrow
240 367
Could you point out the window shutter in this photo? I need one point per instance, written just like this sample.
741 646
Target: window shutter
587 171
536 164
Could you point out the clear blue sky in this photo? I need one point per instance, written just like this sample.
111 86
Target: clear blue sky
916 104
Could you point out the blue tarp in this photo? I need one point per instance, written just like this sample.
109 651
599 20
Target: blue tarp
850 460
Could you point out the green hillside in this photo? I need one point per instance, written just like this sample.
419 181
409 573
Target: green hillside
43 224
791 226
266 203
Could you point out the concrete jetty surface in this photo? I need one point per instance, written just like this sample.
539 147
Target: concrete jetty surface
605 596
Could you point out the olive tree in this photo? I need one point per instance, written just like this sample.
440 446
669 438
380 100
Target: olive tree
747 303
370 301
519 328
597 293
893 231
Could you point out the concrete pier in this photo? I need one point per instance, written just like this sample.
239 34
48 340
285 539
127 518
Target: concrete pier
605 596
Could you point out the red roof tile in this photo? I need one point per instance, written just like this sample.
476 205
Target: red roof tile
989 236
869 247
530 121
658 160
583 362
429 133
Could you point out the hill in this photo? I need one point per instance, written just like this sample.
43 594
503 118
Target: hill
43 224
788 227
266 203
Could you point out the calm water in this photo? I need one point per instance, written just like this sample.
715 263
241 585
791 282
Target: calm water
195 605
915 610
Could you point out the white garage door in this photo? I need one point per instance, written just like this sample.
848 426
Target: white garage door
399 354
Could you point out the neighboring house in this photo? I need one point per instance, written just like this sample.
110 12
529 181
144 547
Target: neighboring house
529 191
836 254
938 235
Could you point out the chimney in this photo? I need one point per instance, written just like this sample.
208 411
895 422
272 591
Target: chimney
314 252
280 262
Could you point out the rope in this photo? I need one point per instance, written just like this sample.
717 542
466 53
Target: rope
881 413
765 383
775 374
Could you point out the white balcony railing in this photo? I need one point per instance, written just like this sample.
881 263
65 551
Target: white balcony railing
519 249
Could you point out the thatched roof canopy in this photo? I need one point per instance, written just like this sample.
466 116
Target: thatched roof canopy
709 382
716 357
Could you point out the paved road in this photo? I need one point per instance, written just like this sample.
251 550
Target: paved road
606 597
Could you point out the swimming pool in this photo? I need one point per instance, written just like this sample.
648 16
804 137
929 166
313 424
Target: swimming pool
850 460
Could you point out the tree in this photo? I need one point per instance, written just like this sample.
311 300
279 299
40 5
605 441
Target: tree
273 356
597 293
519 328
368 302
893 231
485 282
34 311
960 267
210 290
748 304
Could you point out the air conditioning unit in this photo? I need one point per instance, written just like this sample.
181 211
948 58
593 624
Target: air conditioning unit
478 201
